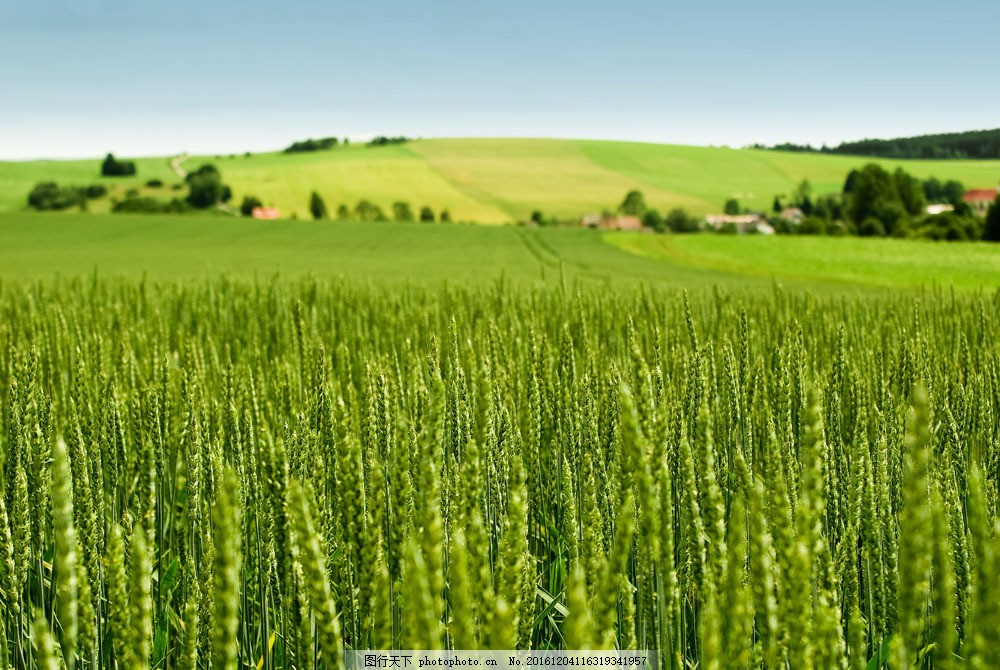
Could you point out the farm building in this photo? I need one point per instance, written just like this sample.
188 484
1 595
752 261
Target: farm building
980 199
793 214
266 213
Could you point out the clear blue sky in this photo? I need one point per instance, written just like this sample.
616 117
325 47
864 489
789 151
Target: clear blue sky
82 77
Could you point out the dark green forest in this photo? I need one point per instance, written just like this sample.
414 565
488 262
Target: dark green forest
973 144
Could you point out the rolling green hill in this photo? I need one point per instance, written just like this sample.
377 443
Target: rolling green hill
499 180
171 247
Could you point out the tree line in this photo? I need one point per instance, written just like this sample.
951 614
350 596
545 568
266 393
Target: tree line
321 144
365 210
973 144
327 143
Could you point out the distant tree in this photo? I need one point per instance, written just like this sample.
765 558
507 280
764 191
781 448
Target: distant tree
653 220
445 216
205 187
952 191
112 167
991 230
537 218
933 190
806 205
249 204
776 205
679 221
634 203
316 206
850 182
821 209
154 183
803 192
401 211
732 206
873 193
343 213
95 191
830 206
426 214
368 211
911 194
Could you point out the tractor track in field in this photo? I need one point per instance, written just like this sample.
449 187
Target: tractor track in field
544 256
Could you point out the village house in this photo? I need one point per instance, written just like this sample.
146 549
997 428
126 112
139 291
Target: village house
266 213
980 199
792 214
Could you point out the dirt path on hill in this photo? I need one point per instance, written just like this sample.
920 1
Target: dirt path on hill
175 165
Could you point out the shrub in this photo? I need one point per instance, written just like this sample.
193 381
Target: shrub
250 203
343 213
426 214
50 196
154 183
149 205
95 191
47 196
812 225
445 216
949 226
871 227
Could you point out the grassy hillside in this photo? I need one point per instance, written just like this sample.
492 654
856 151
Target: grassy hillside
845 261
499 180
175 247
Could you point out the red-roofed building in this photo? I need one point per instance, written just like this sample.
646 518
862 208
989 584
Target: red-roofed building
980 199
265 213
